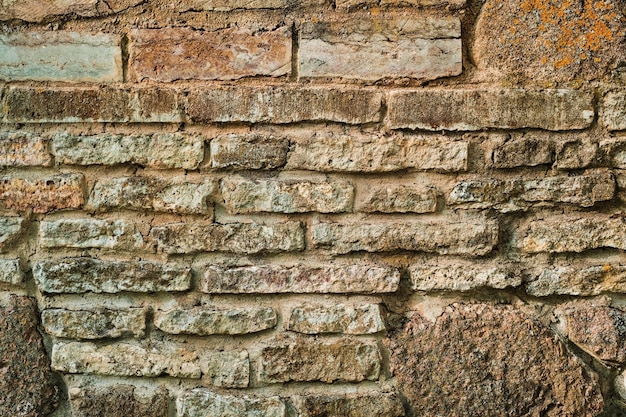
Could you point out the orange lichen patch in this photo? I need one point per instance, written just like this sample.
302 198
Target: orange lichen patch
42 195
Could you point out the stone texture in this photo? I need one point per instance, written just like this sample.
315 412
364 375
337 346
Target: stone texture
614 110
394 198
583 280
349 4
201 402
518 150
300 279
249 151
10 229
489 360
60 56
173 195
231 5
117 401
470 110
94 324
242 195
470 235
463 276
277 104
234 237
374 49
37 11
89 233
349 153
10 272
28 387
352 405
156 105
204 321
340 318
164 150
18 149
572 233
167 55
79 275
560 40
578 152
303 359
42 195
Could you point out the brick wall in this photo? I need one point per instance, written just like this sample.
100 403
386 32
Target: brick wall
306 208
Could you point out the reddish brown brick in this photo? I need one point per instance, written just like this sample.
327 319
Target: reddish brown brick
42 195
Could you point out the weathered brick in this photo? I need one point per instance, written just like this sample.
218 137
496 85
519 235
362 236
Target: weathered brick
19 149
572 233
156 105
432 109
397 199
94 324
302 359
176 195
340 318
280 104
233 237
42 195
206 321
472 235
78 275
373 49
249 151
10 229
167 55
117 401
611 152
10 272
578 152
230 5
90 233
377 404
583 280
36 11
348 4
614 110
463 276
271 279
242 195
60 56
201 402
349 153
164 150
523 150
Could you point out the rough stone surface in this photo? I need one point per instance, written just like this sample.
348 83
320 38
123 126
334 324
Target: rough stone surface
340 318
94 324
479 360
10 229
268 279
206 321
175 195
364 49
249 151
28 386
354 405
10 272
19 149
230 5
37 11
584 280
349 153
242 195
89 233
201 402
398 199
238 238
432 109
156 105
167 55
473 236
519 150
349 4
578 152
78 275
117 401
462 276
614 110
164 150
303 359
42 195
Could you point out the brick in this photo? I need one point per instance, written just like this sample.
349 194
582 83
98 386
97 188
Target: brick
472 235
520 150
463 276
249 151
175 195
94 324
89 233
397 199
614 110
305 360
20 149
583 280
432 109
578 152
117 401
79 275
300 279
10 229
230 5
280 105
340 318
10 272
374 49
42 195
234 237
242 195
349 4
572 233
165 150
351 153
167 55
35 11
60 56
200 402
377 404
226 369
207 321
156 105
67 105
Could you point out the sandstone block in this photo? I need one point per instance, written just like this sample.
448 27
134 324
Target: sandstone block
10 228
79 275
523 150
349 4
19 149
94 324
583 280
201 402
36 11
352 405
397 199
117 401
226 369
614 110
579 152
10 272
463 276
249 151
340 318
156 105
230 5
42 195
89 233
207 321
